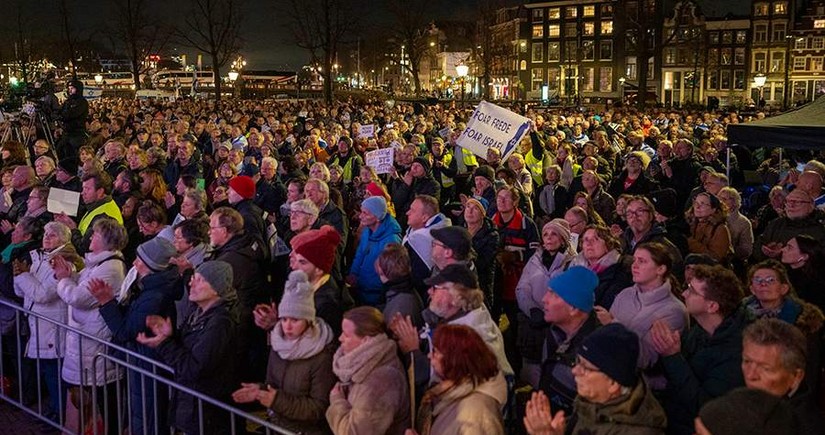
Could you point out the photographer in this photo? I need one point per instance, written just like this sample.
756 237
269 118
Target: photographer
73 114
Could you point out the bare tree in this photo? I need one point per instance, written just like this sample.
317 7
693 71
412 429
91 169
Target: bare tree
138 32
213 27
319 27
70 35
412 29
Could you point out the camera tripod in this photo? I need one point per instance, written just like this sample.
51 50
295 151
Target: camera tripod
22 131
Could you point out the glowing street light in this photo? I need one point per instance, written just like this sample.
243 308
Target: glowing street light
462 70
99 79
233 75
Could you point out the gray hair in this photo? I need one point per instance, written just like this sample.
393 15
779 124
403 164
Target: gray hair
198 196
737 198
113 233
61 231
465 298
305 206
789 340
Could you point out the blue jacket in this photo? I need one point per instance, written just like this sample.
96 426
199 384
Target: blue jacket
369 248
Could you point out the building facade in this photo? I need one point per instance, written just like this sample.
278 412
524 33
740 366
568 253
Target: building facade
808 54
726 69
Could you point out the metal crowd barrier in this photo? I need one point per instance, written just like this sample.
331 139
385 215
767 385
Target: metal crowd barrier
129 364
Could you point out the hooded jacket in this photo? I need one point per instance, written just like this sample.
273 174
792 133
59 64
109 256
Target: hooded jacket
471 409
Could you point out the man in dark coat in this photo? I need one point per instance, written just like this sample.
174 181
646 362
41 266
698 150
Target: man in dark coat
417 181
73 114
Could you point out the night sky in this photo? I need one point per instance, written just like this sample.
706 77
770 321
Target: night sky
267 40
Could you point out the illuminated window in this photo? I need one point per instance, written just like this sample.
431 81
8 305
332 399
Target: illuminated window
589 11
553 30
607 27
554 13
588 77
760 9
780 8
799 63
589 29
571 12
537 78
553 52
741 37
538 31
606 79
538 52
588 52
819 24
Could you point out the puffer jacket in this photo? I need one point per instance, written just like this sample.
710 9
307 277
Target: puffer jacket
635 414
471 410
38 288
84 315
533 283
370 246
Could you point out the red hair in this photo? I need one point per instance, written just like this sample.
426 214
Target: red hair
465 356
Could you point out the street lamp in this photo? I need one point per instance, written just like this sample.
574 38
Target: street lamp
462 70
233 75
759 81
99 79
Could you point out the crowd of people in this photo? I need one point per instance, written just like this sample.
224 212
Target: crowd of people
616 274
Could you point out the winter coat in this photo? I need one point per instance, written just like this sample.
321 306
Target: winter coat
532 286
303 387
253 220
404 300
712 238
370 246
331 302
741 235
781 229
372 395
707 367
201 356
658 234
641 186
613 278
471 410
486 243
38 288
553 201
604 204
246 257
637 413
154 294
84 315
637 311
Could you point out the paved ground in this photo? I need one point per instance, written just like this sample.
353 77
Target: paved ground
17 422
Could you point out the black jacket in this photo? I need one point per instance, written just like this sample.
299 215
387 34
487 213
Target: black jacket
486 243
269 195
74 112
203 359
331 302
245 254
612 281
253 220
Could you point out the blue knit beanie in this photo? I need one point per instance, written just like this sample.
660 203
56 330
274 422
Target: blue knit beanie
575 286
376 205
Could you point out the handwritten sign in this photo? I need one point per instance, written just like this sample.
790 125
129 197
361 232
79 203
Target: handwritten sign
492 126
381 160
366 131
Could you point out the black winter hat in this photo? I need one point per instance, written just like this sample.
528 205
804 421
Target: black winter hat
665 202
614 349
456 273
69 165
485 172
456 238
424 163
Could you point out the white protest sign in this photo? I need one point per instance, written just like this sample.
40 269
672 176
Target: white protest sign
63 201
492 126
366 131
381 160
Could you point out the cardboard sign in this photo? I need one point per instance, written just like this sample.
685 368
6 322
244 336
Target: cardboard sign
381 160
492 126
366 131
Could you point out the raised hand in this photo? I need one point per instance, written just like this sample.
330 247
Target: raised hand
539 418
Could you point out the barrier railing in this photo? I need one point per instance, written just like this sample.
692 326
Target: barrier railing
97 407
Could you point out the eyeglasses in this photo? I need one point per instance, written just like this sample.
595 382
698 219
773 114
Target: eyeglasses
437 243
758 280
574 224
636 213
692 290
585 366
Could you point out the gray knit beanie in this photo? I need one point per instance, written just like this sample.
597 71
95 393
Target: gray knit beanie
156 252
298 301
219 276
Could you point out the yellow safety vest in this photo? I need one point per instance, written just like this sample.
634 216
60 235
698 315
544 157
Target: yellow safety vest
468 158
445 180
536 168
347 175
108 208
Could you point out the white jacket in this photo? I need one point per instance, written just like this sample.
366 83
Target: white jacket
38 288
480 320
84 315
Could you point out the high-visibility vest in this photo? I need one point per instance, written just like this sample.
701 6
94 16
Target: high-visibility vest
536 167
445 180
108 208
468 159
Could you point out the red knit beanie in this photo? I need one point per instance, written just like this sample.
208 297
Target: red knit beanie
375 190
243 185
318 246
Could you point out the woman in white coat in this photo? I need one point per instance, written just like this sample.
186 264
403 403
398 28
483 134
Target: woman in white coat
36 284
104 262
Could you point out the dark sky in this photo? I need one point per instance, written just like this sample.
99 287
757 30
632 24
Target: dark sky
267 40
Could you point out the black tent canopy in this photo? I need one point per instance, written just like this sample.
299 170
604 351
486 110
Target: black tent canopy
802 129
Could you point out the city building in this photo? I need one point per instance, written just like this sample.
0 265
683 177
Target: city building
726 68
505 46
771 48
807 70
